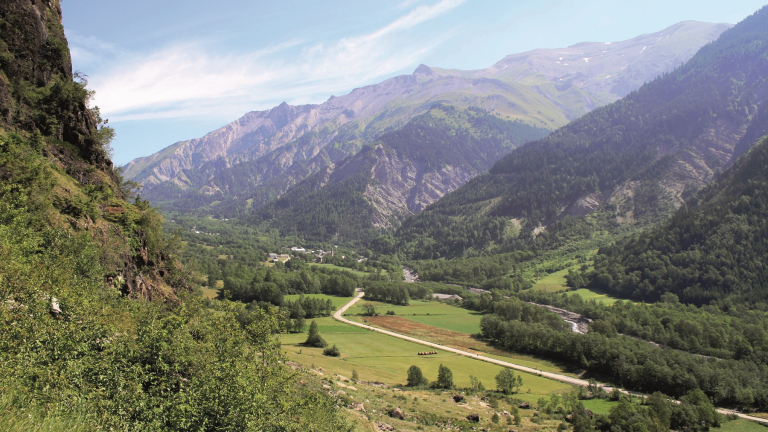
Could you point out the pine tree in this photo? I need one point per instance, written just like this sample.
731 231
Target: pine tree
314 338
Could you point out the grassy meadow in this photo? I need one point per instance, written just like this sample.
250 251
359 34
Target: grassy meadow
588 294
378 357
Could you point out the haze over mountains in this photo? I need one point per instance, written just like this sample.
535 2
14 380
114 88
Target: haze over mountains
260 156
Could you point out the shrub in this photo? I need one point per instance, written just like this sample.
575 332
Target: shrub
332 351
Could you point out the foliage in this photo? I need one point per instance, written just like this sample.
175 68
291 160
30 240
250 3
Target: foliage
416 377
712 249
507 382
444 378
332 351
313 338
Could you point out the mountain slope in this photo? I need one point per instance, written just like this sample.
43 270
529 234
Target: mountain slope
713 248
261 155
399 175
636 158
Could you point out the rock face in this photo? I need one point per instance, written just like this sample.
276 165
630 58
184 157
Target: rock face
34 54
264 153
42 100
406 171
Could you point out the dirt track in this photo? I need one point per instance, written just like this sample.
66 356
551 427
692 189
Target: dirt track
557 377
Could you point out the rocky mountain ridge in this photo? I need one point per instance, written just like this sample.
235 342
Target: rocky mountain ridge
397 176
633 161
262 154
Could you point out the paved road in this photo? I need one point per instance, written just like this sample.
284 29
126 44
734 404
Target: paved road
557 377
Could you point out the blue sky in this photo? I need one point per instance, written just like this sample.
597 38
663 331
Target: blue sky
170 70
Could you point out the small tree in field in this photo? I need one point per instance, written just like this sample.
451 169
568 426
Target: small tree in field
314 338
444 377
332 351
507 382
369 309
415 377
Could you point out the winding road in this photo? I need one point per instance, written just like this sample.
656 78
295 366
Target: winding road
557 377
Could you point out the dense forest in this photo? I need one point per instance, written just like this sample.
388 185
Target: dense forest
713 249
738 378
636 142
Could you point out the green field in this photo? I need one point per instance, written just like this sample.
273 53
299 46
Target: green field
429 313
210 293
335 267
378 357
598 406
337 301
588 294
456 319
742 425
553 282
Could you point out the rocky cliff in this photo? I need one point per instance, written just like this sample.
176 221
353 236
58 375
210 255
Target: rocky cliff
55 171
397 176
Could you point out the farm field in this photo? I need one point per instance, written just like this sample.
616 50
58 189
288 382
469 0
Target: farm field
446 325
378 357
429 313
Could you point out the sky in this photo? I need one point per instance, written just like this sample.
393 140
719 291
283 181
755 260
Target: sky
172 70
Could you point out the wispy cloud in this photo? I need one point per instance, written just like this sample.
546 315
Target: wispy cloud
193 79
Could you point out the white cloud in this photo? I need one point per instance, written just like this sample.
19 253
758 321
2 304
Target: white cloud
192 79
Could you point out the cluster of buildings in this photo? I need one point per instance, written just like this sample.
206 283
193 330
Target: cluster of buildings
273 257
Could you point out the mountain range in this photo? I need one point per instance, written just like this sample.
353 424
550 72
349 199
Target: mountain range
397 176
631 163
257 158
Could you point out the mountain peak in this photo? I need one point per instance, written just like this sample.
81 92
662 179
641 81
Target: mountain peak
424 70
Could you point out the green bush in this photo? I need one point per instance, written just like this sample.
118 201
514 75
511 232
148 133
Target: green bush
332 351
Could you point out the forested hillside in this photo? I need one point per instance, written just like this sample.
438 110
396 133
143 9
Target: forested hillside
99 331
634 160
399 175
713 249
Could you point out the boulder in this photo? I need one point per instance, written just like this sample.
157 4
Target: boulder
474 417
458 398
384 427
356 407
525 405
397 413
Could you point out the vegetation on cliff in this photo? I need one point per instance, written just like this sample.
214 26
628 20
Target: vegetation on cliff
98 329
